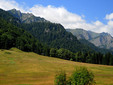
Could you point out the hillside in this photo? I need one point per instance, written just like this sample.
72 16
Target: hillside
52 34
101 40
13 36
27 68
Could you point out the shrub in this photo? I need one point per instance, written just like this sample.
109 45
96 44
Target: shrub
7 53
81 76
60 78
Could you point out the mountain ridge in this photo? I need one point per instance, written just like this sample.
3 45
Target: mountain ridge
26 17
101 40
53 34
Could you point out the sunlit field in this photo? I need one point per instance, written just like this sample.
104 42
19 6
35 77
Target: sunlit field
27 68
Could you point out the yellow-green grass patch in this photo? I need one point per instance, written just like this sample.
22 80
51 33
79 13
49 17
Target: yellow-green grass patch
27 68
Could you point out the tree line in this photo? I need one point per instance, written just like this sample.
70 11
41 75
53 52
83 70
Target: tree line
86 57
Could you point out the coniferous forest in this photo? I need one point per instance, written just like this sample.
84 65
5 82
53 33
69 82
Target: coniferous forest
46 38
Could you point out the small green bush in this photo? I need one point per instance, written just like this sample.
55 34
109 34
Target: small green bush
60 78
7 53
81 76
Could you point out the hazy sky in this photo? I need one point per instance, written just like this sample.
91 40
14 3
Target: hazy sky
94 15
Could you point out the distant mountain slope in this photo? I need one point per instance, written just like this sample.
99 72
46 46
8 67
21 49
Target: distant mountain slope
91 45
102 40
83 34
49 33
26 17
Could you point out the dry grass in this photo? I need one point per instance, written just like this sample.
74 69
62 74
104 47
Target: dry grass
27 68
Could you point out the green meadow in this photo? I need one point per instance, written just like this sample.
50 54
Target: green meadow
28 68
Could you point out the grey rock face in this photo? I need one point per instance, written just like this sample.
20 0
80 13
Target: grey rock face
102 40
26 17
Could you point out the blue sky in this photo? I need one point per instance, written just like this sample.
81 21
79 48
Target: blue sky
93 15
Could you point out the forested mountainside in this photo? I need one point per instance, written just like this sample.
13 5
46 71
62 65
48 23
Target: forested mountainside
12 36
52 34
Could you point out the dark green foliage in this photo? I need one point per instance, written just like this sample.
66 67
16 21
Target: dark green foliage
95 58
60 78
111 60
79 56
107 59
65 54
53 52
81 76
55 36
8 17
12 36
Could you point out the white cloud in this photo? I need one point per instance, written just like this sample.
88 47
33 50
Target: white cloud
98 23
10 4
109 16
58 15
110 23
63 16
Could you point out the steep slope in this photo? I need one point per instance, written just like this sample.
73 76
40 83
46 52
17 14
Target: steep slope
102 40
83 34
26 17
91 45
55 36
51 34
13 36
8 17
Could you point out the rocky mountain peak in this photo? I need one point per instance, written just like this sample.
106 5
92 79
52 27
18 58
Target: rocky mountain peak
26 17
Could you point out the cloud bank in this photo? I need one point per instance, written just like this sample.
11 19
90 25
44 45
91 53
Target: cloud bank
63 16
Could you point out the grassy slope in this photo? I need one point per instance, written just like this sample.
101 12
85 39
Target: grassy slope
23 68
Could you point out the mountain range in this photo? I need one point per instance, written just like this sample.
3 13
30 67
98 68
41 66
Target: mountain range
49 39
101 40
52 34
47 33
